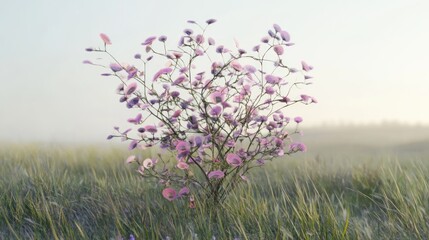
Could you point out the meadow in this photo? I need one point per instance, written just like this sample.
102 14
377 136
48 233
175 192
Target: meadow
354 183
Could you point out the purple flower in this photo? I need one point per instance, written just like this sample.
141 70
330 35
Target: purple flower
188 31
149 41
161 72
115 67
199 39
211 41
298 119
307 77
182 149
277 28
179 80
151 129
184 191
162 38
305 98
285 36
256 48
132 87
175 94
211 21
133 145
87 62
89 49
269 90
265 40
137 56
250 68
216 110
220 49
272 79
110 137
298 147
217 174
233 160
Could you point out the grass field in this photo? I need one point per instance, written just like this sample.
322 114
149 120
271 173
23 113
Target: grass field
335 191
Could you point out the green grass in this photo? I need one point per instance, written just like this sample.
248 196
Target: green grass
89 193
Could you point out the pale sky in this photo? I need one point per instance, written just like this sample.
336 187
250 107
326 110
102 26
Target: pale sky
370 58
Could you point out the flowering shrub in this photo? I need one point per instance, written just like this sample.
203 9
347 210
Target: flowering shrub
219 111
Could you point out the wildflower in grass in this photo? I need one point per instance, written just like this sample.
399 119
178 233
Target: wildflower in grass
148 163
218 112
169 193
131 159
217 174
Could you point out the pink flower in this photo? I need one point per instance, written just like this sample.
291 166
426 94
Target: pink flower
236 65
131 159
176 113
269 90
278 49
217 97
169 194
136 120
306 67
105 39
272 79
179 80
216 111
298 147
298 119
148 163
132 87
233 160
151 129
182 165
217 174
161 72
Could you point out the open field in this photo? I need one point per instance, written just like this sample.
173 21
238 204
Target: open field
354 183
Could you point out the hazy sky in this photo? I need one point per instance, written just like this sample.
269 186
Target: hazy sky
370 57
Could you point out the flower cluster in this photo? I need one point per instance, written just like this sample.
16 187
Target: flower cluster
219 111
